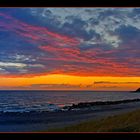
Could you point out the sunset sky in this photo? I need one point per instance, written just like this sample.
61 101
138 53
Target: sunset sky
70 48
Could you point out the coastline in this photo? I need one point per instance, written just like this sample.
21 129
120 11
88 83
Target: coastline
91 105
43 121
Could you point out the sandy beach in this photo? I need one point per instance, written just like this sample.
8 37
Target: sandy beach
42 121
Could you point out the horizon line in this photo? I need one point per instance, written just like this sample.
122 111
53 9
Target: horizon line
61 90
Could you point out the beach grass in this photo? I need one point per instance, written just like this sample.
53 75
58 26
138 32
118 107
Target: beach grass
126 122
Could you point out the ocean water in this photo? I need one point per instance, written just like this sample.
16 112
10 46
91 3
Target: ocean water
26 101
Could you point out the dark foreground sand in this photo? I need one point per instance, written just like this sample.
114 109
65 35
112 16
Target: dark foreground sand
35 121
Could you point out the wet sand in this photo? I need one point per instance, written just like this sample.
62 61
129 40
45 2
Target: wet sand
42 121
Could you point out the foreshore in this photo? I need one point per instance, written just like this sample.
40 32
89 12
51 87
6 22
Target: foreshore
42 121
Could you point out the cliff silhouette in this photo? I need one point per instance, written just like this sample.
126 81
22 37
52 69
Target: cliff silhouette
138 90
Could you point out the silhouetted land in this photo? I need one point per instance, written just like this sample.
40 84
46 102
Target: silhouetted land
92 104
138 90
43 121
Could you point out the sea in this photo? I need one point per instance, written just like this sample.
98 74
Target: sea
26 101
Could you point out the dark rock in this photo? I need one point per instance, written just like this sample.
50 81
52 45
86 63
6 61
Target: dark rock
92 104
138 90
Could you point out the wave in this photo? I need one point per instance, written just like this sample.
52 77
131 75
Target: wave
36 108
55 108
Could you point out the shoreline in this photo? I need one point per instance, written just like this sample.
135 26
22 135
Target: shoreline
78 106
82 105
43 121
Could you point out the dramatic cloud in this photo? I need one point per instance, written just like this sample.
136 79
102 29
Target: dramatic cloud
49 86
107 82
73 41
52 86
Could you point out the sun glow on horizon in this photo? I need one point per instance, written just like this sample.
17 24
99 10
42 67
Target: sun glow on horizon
68 82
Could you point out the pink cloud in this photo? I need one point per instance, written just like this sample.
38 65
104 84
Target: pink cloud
68 58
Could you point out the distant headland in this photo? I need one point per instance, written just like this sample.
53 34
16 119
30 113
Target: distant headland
138 90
